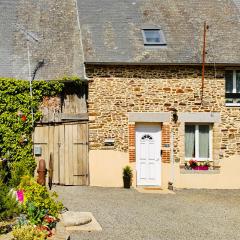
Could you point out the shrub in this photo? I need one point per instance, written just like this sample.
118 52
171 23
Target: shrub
38 201
21 168
4 171
29 232
9 207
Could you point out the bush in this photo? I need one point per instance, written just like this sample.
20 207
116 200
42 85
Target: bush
21 168
9 207
38 201
29 232
4 171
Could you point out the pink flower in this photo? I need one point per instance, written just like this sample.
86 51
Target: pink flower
20 196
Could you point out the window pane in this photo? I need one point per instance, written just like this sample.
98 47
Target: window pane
152 36
190 141
203 141
229 100
229 81
238 81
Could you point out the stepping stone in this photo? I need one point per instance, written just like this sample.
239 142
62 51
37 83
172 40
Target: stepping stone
71 218
90 227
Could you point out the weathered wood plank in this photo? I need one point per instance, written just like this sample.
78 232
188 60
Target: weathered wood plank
75 153
66 155
80 149
62 153
50 142
87 156
70 154
72 116
56 163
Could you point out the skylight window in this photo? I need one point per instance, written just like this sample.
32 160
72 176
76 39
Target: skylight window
153 37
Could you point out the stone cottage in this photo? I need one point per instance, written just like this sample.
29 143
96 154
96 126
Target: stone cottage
144 64
148 104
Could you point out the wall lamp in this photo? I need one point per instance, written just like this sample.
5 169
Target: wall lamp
175 115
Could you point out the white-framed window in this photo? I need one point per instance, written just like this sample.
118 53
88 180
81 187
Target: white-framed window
232 87
153 37
198 142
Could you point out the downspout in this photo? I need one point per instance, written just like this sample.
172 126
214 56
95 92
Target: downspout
170 183
203 60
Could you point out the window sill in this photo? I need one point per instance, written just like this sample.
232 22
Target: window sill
210 171
232 104
199 160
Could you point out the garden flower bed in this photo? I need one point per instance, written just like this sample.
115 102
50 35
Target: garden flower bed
27 209
36 213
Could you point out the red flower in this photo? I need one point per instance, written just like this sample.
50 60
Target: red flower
49 219
24 118
193 163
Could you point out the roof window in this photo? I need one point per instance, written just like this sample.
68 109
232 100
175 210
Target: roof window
153 37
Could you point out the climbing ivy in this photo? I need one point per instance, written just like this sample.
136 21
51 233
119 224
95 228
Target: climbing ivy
16 123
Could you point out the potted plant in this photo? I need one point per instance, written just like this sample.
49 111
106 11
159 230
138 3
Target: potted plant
204 166
127 177
195 165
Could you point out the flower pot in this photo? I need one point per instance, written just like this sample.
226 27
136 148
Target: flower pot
126 181
200 168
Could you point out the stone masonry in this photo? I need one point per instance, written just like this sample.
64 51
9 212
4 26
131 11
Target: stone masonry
114 91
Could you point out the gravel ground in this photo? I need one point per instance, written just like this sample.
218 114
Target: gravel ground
130 215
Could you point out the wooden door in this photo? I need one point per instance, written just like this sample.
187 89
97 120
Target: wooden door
68 144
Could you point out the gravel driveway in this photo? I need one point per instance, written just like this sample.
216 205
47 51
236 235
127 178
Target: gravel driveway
128 214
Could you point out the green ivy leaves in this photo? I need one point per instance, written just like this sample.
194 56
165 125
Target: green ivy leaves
14 97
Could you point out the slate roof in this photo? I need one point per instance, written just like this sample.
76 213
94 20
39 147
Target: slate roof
54 23
7 17
111 31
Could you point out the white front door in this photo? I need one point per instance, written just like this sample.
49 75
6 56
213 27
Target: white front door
148 157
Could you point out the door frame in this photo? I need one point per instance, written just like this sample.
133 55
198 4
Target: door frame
139 125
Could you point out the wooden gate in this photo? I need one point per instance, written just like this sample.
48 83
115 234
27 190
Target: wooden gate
68 144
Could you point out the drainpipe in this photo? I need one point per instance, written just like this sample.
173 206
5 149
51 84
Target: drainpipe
170 183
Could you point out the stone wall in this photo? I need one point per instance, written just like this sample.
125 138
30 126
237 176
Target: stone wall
114 91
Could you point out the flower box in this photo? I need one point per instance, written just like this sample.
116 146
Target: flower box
200 168
196 165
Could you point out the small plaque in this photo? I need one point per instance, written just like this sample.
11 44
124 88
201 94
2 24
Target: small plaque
166 145
37 150
109 142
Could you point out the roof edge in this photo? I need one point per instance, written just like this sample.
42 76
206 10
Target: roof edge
161 64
